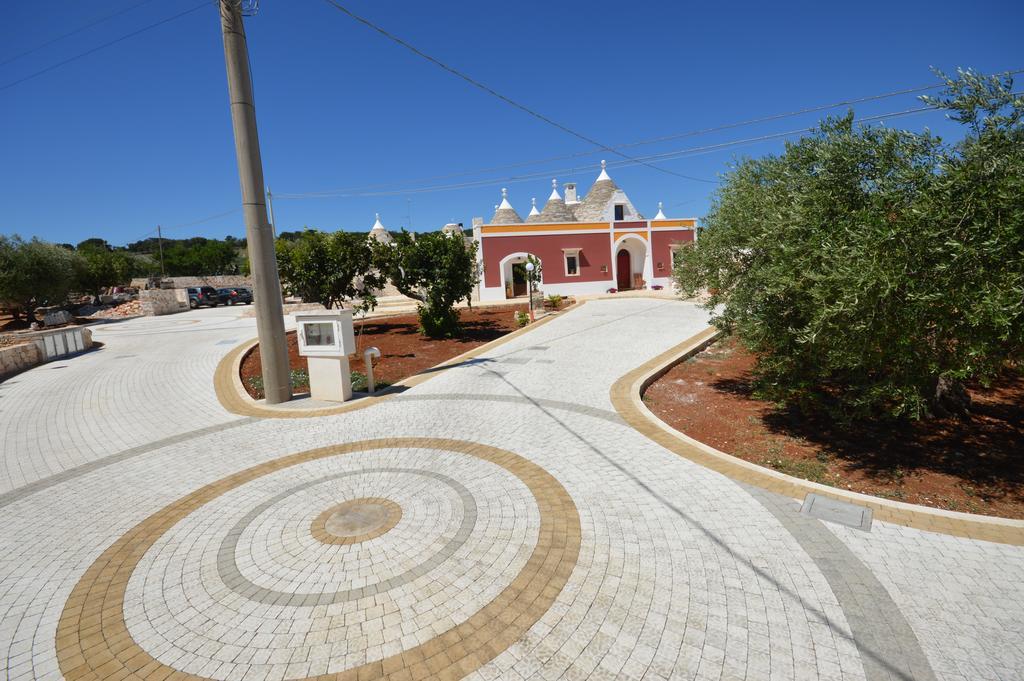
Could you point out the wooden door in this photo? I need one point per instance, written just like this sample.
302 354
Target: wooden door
624 274
519 279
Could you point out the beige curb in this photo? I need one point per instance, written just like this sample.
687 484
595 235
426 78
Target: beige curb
626 397
233 397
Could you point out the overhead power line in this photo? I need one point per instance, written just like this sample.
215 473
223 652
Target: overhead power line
78 30
105 45
494 93
666 156
652 140
200 221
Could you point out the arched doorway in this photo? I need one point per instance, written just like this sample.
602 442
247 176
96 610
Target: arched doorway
632 262
514 276
624 270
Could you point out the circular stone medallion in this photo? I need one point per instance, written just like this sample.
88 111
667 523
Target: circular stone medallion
356 520
94 643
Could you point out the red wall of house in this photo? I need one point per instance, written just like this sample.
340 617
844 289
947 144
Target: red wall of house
662 251
548 247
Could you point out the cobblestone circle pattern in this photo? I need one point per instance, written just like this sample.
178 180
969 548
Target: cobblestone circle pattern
94 640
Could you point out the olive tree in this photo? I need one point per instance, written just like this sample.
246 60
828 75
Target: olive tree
874 271
34 273
438 270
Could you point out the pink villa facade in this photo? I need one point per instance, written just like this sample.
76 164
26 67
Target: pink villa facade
585 245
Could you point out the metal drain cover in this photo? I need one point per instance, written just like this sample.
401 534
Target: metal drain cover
825 508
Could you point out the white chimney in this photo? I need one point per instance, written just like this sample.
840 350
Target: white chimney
570 192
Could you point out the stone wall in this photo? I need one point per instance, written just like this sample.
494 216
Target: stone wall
17 358
163 301
219 281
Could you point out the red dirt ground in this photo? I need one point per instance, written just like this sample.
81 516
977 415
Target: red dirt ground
404 351
974 465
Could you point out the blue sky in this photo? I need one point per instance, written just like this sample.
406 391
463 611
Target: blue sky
139 134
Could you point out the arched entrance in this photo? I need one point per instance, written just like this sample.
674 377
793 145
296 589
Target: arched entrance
624 270
514 276
631 263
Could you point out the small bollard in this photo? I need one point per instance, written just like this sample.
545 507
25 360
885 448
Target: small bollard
369 355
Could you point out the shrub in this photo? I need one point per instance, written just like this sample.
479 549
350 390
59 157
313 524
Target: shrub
522 319
436 269
329 268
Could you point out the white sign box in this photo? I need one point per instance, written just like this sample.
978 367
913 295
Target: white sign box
325 334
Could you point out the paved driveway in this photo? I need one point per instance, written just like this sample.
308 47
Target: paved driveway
497 521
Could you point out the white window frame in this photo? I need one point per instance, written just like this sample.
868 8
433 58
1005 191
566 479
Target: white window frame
566 254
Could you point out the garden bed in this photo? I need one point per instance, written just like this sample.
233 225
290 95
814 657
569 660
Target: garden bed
975 465
404 351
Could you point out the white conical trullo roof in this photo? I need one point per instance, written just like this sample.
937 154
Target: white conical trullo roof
661 213
379 232
504 213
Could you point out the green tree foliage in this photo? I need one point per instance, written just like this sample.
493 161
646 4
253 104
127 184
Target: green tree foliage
200 257
195 257
874 271
436 269
330 268
99 266
34 273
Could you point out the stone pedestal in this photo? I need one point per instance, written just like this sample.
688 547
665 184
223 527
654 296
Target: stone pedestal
330 379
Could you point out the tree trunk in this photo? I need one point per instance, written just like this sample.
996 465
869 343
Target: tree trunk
30 312
950 398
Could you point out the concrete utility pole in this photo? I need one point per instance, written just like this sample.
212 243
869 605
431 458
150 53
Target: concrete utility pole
160 243
270 212
260 240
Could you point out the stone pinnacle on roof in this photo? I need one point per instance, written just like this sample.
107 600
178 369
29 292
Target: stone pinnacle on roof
504 199
504 213
661 213
534 215
554 190
604 172
555 209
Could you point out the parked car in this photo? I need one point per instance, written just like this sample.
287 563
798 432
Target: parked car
235 296
203 295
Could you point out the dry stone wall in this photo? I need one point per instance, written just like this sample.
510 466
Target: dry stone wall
219 281
17 358
162 301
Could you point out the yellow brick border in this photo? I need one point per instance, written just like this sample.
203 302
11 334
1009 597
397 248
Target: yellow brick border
626 397
232 395
93 642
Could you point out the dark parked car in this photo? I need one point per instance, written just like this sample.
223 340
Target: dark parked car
235 296
203 295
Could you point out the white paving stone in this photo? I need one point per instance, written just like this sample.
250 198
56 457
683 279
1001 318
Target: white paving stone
681 573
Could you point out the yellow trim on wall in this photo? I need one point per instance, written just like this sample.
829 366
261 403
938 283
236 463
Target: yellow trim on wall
626 232
549 227
674 223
